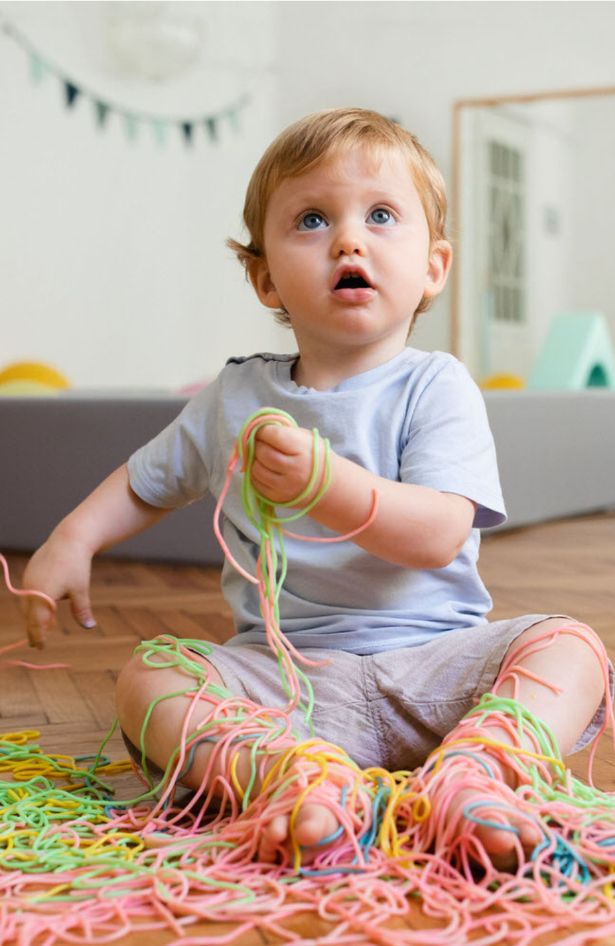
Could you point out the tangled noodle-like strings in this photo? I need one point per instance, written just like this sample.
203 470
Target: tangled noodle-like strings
78 866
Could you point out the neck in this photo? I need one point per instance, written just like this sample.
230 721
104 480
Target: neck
324 371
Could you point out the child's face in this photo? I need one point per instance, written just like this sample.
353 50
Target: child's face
347 252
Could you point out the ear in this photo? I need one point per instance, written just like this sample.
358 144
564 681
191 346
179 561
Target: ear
440 259
262 283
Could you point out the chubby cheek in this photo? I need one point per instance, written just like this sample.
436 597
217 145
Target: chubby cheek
288 279
404 273
299 286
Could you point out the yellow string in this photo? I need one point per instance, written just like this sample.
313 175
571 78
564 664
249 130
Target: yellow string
481 740
233 771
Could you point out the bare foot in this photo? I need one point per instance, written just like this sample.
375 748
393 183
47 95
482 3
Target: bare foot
314 824
482 813
325 777
506 833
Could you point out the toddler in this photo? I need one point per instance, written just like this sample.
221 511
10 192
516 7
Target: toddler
345 215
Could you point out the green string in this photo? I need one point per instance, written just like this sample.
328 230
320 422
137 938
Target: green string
260 511
33 811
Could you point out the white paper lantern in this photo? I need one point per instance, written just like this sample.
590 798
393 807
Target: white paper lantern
153 40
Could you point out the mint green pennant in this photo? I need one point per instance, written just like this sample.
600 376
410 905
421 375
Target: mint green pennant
233 117
159 129
38 68
130 125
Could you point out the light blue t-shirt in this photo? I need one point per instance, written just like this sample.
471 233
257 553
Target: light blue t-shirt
419 419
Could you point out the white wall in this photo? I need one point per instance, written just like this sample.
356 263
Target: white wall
112 255
593 274
413 60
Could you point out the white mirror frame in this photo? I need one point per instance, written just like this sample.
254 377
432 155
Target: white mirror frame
464 327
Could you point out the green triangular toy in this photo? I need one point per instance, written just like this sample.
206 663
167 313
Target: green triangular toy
577 354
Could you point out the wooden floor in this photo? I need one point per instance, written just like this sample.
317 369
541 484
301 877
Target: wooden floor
560 567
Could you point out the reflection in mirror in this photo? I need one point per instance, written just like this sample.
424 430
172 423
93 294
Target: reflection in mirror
533 214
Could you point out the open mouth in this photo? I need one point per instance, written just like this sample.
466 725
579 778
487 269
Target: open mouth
352 281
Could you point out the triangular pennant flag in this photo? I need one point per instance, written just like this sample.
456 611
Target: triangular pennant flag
38 68
102 113
160 131
187 128
233 117
130 126
212 124
212 128
71 93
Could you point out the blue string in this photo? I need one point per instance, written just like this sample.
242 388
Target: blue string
467 811
566 859
378 808
326 871
338 831
470 755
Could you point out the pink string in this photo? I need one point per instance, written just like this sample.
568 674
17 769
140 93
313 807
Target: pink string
357 889
24 592
17 645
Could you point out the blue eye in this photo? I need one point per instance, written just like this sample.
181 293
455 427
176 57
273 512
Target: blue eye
311 221
381 216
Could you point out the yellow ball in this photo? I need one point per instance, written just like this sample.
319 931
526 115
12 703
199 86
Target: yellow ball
33 372
502 381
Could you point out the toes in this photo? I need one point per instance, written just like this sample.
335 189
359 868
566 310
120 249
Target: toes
314 824
273 837
498 842
502 844
277 829
508 860
530 836
507 863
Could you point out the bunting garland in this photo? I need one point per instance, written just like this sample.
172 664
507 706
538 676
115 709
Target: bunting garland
133 121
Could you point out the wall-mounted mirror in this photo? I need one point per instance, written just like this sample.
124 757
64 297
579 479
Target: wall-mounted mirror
533 215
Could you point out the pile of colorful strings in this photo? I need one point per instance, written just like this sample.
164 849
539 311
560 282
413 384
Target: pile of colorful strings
77 866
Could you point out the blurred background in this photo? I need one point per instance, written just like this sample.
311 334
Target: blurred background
129 131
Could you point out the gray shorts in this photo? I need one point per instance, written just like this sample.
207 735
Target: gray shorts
390 709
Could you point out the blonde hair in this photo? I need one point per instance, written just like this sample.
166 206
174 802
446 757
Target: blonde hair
322 135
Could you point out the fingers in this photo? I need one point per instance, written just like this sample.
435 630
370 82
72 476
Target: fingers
287 440
272 459
278 476
279 453
82 609
40 619
264 478
283 463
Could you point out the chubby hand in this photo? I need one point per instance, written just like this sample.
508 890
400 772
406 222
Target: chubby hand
283 462
61 569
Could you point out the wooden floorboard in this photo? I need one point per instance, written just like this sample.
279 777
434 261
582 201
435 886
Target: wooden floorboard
564 567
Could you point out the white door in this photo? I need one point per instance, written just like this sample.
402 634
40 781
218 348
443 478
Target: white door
494 298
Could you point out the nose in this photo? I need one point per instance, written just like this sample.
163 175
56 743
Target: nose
348 239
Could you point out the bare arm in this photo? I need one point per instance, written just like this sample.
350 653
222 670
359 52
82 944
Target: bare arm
61 567
416 527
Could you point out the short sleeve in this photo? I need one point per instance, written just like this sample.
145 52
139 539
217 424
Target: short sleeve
171 470
450 446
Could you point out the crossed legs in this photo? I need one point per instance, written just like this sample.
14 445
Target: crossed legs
558 677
